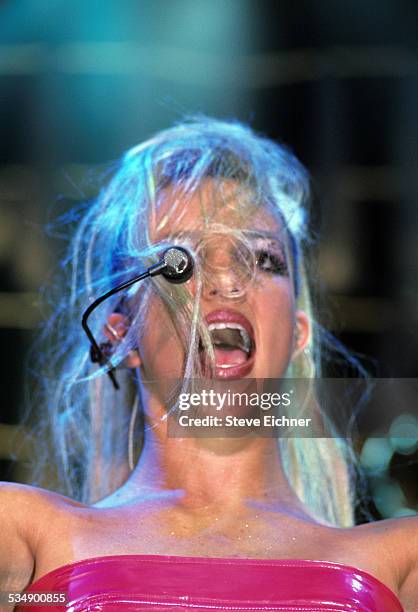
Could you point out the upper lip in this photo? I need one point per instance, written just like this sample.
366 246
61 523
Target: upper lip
230 316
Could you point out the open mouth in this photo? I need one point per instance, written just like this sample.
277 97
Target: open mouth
232 336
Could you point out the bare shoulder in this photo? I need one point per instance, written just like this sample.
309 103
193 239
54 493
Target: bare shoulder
397 539
26 513
31 506
403 536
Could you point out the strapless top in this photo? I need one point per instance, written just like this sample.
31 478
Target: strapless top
182 584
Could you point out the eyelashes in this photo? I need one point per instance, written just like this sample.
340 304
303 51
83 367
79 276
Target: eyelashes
269 257
271 262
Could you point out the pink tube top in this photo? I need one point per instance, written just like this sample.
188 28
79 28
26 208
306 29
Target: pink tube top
150 582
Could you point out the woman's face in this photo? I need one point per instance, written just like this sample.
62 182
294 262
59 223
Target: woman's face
253 323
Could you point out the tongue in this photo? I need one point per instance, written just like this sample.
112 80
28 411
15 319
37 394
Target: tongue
229 357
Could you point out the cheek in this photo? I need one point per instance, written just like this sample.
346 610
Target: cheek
275 313
160 348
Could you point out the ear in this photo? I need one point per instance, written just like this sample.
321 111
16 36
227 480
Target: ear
302 332
115 329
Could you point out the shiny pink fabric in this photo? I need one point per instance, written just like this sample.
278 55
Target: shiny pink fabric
146 582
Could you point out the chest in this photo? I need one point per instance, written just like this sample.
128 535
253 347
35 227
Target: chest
266 539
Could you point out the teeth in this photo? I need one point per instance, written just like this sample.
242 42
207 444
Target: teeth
246 340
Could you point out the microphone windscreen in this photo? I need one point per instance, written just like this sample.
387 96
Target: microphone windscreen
176 260
179 265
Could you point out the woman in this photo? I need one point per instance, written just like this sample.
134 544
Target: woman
236 202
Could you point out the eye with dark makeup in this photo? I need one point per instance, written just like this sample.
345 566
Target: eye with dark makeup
269 258
271 262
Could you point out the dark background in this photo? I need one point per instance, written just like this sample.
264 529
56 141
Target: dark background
81 82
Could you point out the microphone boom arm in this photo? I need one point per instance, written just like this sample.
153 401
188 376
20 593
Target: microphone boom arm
176 266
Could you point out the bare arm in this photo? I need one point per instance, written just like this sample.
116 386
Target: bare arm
408 541
18 536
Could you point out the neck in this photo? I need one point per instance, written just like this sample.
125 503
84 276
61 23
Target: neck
236 474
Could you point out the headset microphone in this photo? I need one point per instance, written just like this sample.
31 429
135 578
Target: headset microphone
176 266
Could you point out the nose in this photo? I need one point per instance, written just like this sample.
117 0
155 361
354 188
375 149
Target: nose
227 288
224 274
